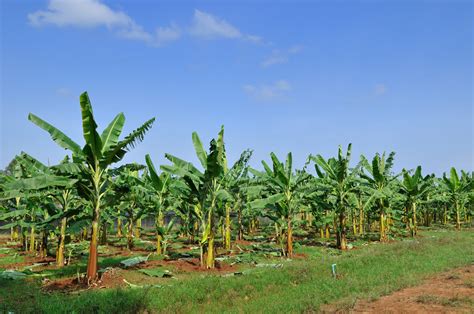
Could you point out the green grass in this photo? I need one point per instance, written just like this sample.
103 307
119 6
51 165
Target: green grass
11 258
302 285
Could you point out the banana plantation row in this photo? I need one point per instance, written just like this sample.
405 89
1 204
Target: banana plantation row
84 196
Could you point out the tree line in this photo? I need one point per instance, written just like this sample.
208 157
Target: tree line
85 196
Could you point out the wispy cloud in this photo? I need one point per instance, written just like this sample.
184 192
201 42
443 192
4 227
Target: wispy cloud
268 92
279 56
93 13
380 89
208 26
167 34
276 57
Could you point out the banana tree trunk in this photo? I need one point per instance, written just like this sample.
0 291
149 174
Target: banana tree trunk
341 232
210 254
32 240
458 216
137 228
289 239
16 231
130 235
159 238
92 263
62 240
119 225
354 224
24 238
361 220
210 258
93 252
227 228
415 227
44 244
445 214
103 234
240 235
383 236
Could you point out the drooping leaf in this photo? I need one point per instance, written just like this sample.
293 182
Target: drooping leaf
156 272
59 137
116 152
39 182
134 261
12 274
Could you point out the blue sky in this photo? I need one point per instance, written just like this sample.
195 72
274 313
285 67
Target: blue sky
281 76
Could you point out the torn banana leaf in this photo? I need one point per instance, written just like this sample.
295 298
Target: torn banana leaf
157 272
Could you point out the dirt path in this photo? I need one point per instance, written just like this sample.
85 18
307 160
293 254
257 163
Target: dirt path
450 292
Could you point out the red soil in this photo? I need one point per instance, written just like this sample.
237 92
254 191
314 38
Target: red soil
450 292
110 279
190 265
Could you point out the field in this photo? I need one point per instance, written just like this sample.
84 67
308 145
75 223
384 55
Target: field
236 157
249 279
85 236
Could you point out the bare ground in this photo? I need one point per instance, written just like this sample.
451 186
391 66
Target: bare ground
450 292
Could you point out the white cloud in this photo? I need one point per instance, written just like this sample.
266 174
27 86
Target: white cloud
167 34
380 89
253 38
93 13
80 13
268 92
208 26
135 32
278 57
275 58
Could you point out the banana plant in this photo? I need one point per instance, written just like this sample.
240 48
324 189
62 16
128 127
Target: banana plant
94 160
66 198
12 205
468 205
234 179
206 189
283 185
249 190
380 181
362 200
164 232
36 186
414 188
128 194
336 174
458 191
164 187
